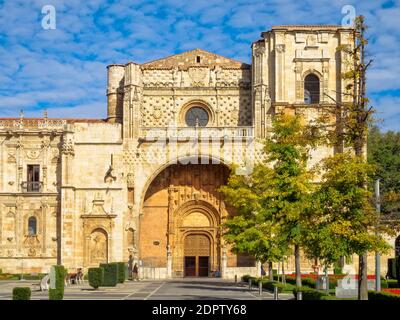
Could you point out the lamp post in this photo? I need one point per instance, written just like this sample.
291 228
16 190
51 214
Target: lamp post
377 255
22 268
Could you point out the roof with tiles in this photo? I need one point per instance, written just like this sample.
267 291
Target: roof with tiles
195 58
311 27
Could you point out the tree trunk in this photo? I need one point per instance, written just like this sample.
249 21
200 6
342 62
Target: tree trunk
270 272
283 272
297 264
362 277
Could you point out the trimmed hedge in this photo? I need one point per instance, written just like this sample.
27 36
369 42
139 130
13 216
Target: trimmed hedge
110 278
55 294
22 293
391 284
58 292
309 293
312 283
372 295
9 276
121 272
96 276
246 278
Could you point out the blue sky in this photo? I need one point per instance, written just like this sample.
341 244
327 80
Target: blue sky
64 70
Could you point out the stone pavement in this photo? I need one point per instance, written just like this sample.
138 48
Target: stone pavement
173 289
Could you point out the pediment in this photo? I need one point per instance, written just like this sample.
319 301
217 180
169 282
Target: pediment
195 58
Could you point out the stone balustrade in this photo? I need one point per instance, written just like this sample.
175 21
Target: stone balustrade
152 133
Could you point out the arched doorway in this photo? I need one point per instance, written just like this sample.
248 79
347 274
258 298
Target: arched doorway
197 249
183 200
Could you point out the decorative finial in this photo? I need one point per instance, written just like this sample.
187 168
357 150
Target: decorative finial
21 114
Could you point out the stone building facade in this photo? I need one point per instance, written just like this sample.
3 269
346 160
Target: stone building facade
144 182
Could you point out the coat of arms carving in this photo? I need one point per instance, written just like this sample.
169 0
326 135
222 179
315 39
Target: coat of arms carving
198 76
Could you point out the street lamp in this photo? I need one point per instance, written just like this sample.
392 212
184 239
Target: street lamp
377 255
22 268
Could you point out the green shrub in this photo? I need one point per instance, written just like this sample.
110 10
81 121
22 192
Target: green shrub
308 282
121 272
55 294
38 276
110 278
23 293
373 295
58 292
326 297
245 278
9 276
384 284
96 276
391 283
291 280
269 285
309 293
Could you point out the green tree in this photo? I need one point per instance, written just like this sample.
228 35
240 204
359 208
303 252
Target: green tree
353 113
253 230
384 152
343 219
272 201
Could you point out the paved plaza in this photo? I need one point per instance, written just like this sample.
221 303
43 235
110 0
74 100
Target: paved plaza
175 289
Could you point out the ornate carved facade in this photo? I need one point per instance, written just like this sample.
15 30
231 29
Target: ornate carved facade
144 182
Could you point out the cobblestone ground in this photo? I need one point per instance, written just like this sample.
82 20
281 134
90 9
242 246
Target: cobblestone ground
176 289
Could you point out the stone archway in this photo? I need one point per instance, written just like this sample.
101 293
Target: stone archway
181 201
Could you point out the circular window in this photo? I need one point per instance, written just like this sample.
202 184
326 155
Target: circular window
196 117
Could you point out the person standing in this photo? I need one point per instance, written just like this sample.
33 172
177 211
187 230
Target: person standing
130 266
135 272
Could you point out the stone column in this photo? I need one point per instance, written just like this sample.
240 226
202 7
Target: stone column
169 262
224 263
258 266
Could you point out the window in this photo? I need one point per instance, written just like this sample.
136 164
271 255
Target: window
196 117
32 226
198 59
33 178
311 89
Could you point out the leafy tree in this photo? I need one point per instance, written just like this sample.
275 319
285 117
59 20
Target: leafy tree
343 219
253 230
353 114
384 152
272 202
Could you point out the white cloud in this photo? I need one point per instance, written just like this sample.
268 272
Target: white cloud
65 69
